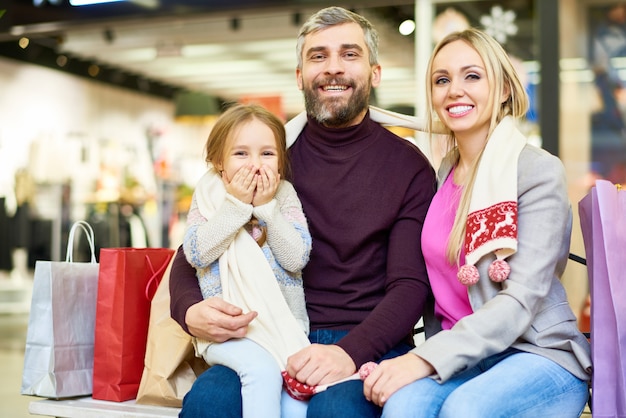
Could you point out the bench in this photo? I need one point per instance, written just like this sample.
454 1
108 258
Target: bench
87 407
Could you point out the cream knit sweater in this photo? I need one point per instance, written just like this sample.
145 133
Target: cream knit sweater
286 250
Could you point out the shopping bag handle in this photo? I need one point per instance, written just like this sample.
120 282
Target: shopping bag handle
70 241
153 282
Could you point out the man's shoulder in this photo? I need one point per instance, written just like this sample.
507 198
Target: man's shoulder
402 147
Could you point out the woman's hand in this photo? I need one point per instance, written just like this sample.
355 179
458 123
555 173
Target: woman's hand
266 186
216 320
243 183
390 375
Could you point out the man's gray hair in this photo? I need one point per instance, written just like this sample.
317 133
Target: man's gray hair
332 16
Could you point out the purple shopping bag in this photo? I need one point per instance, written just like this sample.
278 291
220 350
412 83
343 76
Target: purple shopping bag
603 224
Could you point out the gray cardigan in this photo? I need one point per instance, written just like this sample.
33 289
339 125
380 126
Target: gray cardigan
528 311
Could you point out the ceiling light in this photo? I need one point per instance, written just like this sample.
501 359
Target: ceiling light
407 27
168 49
89 2
61 60
93 70
202 50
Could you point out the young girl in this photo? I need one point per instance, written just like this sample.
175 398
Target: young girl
496 240
248 239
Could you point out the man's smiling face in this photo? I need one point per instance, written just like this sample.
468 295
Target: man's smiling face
336 76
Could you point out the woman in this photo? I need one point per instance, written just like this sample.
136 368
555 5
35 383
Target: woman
496 240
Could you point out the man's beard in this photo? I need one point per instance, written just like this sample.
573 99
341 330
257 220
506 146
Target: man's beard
335 112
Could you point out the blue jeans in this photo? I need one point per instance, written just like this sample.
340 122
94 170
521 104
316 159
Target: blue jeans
512 384
217 392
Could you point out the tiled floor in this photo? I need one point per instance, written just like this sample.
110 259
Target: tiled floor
12 338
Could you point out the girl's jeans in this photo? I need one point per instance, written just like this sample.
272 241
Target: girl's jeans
259 374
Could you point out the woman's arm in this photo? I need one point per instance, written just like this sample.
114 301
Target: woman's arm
505 312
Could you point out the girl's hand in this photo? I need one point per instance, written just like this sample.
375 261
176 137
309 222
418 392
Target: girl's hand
266 186
243 183
391 375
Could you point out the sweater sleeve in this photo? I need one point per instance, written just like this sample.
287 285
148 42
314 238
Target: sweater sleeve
206 239
184 288
287 231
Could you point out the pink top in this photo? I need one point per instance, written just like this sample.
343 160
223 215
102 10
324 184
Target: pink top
451 300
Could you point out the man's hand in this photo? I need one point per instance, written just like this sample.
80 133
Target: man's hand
320 364
390 375
215 320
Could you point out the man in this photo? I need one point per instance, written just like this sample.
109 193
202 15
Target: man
365 193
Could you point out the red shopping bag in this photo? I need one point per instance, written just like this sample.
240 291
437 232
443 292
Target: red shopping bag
128 279
603 224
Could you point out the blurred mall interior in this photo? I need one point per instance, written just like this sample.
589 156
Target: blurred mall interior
104 110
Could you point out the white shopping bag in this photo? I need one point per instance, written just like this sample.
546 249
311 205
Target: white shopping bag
58 361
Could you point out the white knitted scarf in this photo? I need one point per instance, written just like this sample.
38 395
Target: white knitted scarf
249 282
382 116
492 220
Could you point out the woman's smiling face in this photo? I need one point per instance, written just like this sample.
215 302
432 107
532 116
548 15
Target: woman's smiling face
460 88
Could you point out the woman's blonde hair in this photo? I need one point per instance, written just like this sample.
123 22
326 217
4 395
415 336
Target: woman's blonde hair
226 128
503 80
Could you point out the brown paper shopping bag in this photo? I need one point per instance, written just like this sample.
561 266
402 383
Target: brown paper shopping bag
171 366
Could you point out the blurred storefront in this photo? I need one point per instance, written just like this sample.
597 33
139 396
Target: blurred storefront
81 138
74 148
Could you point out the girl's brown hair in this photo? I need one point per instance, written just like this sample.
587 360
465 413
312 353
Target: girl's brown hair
226 127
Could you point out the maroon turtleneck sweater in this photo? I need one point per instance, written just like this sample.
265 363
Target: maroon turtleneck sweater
365 193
